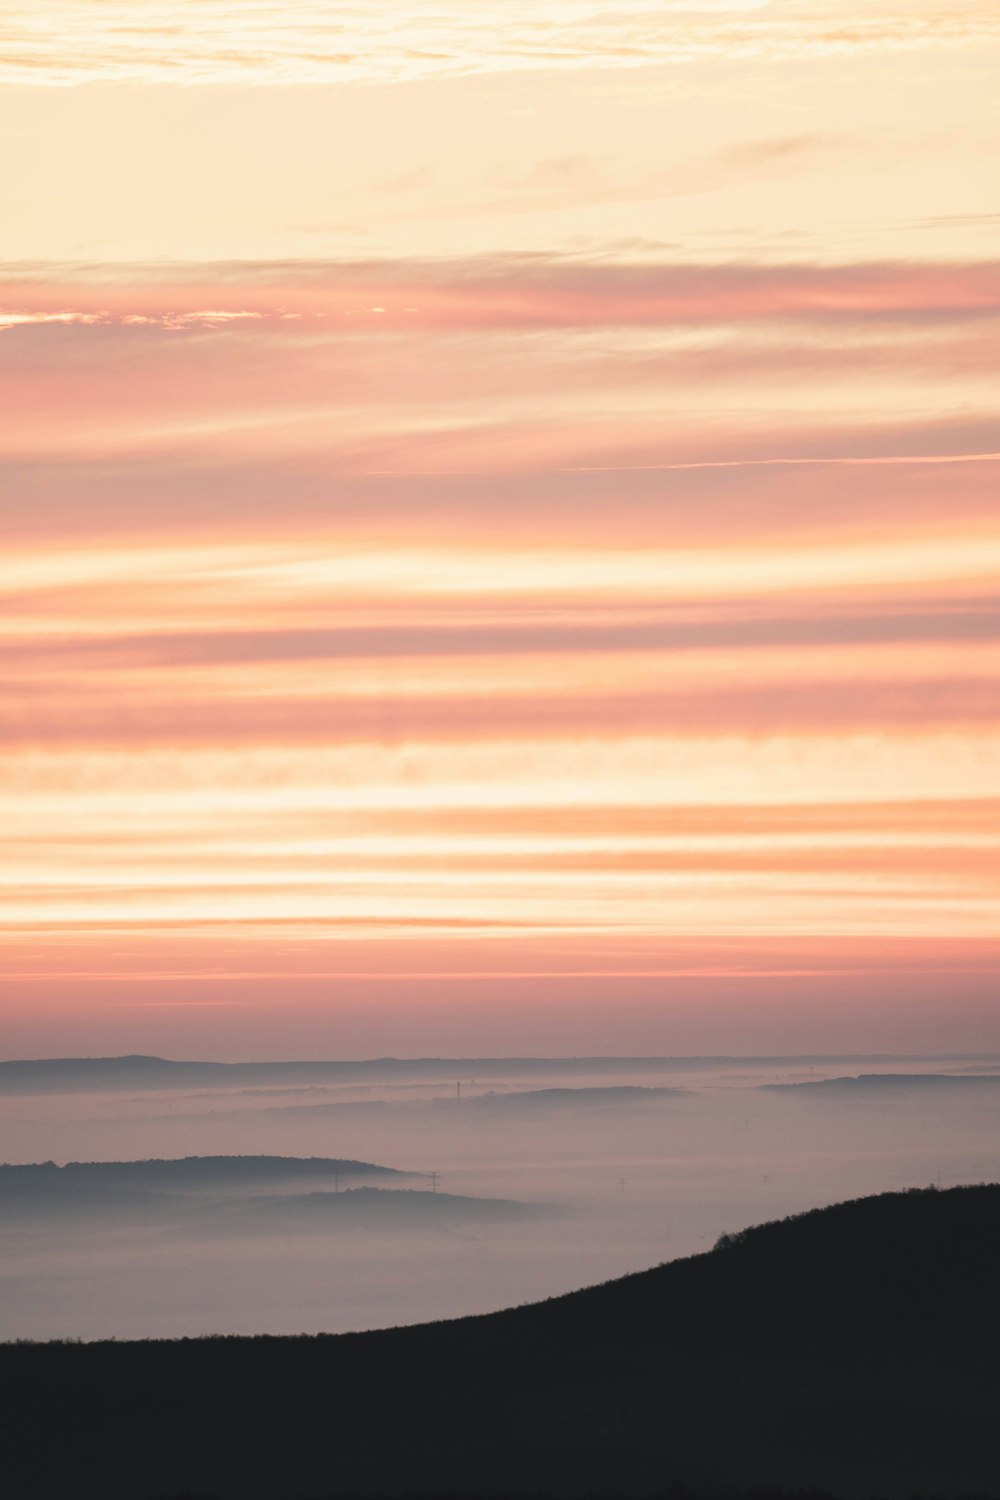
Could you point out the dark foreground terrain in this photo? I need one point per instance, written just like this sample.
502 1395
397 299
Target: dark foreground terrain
853 1351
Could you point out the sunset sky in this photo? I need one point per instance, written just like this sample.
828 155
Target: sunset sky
501 527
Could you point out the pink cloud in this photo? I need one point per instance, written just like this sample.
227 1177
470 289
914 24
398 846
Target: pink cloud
61 713
532 291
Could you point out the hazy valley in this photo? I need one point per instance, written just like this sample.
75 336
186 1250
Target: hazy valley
517 1179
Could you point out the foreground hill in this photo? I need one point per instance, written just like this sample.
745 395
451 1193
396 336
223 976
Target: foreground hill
854 1350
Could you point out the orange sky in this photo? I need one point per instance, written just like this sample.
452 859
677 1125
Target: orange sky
501 527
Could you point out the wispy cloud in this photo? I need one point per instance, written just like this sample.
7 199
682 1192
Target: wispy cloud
528 291
67 717
219 41
729 628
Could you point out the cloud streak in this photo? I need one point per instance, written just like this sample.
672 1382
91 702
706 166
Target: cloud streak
506 292
228 717
941 620
220 42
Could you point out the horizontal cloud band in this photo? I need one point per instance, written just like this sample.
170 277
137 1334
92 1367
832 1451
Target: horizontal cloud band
941 620
806 708
509 291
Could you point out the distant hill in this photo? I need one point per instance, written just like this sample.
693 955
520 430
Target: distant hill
227 1196
193 1172
95 1194
509 1102
162 1191
896 1082
853 1350
108 1074
362 1208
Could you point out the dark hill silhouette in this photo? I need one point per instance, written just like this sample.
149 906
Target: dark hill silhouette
240 1195
853 1350
193 1172
164 1191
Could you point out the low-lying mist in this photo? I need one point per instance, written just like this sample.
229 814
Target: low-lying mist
520 1184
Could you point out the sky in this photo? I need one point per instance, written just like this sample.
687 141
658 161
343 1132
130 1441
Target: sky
500 527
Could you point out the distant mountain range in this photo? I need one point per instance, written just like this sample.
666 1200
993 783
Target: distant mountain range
853 1351
107 1074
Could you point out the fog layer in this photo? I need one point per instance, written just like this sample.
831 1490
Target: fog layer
527 1179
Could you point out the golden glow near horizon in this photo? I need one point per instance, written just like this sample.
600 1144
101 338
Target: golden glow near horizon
497 470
